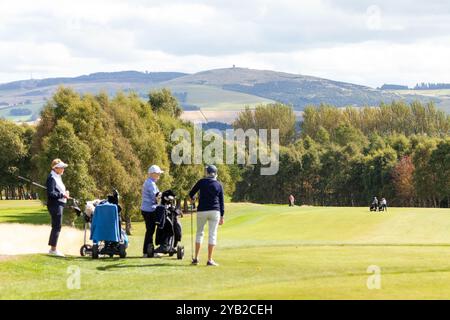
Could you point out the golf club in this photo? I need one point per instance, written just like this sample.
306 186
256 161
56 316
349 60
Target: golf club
32 182
75 206
192 231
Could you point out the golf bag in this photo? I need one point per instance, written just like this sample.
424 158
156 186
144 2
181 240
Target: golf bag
374 204
108 236
168 231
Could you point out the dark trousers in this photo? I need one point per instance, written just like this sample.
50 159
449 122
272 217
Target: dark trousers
150 224
56 213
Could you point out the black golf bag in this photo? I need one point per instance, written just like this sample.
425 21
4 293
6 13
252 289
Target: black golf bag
374 204
168 231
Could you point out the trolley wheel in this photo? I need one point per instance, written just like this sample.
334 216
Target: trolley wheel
180 252
95 251
85 249
150 250
122 251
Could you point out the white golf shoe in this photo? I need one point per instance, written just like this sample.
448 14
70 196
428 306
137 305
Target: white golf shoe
56 253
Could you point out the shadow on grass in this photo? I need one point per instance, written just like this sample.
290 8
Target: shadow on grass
128 266
158 262
38 218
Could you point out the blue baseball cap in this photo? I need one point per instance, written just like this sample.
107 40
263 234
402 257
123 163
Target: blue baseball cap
211 169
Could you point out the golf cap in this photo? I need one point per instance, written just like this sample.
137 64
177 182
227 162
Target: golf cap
155 169
211 169
59 164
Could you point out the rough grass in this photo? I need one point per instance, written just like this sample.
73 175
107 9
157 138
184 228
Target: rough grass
265 252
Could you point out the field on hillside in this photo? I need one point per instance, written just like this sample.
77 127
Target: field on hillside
443 95
205 97
265 252
35 108
213 98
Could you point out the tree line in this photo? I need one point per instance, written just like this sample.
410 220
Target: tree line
432 86
338 156
346 156
108 143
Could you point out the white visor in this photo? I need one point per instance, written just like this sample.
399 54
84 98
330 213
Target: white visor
61 165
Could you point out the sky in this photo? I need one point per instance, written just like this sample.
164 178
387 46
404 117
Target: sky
362 42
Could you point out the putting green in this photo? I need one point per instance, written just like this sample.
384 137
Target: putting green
265 252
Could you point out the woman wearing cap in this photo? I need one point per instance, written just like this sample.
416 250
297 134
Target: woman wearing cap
149 204
57 196
210 209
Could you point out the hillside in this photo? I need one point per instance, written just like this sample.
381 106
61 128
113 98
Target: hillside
296 90
217 91
99 77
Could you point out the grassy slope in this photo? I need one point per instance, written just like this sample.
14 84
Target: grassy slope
205 97
213 98
266 252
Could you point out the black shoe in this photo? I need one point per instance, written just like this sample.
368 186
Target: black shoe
195 262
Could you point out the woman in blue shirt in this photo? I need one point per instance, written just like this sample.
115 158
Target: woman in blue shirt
149 204
210 209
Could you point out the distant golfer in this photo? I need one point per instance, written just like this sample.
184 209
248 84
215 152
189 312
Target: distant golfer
383 205
291 201
149 204
57 196
210 209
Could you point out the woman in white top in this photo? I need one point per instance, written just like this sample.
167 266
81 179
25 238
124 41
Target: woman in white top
57 196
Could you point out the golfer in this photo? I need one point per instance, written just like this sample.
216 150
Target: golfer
149 204
291 200
210 209
57 196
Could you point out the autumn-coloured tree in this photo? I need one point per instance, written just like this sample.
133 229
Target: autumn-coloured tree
403 175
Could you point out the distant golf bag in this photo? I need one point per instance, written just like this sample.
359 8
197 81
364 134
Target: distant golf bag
168 231
374 204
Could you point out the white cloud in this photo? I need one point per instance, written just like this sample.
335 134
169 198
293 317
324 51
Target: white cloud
402 41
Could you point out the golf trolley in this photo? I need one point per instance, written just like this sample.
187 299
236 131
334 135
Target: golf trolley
102 217
169 232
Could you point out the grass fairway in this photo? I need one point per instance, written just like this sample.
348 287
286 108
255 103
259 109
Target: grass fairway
265 252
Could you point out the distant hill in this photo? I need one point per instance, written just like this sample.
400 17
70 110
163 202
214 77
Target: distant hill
122 76
293 89
222 92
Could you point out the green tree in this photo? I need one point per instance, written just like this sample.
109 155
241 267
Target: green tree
63 143
271 116
425 179
345 134
14 151
163 101
440 166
